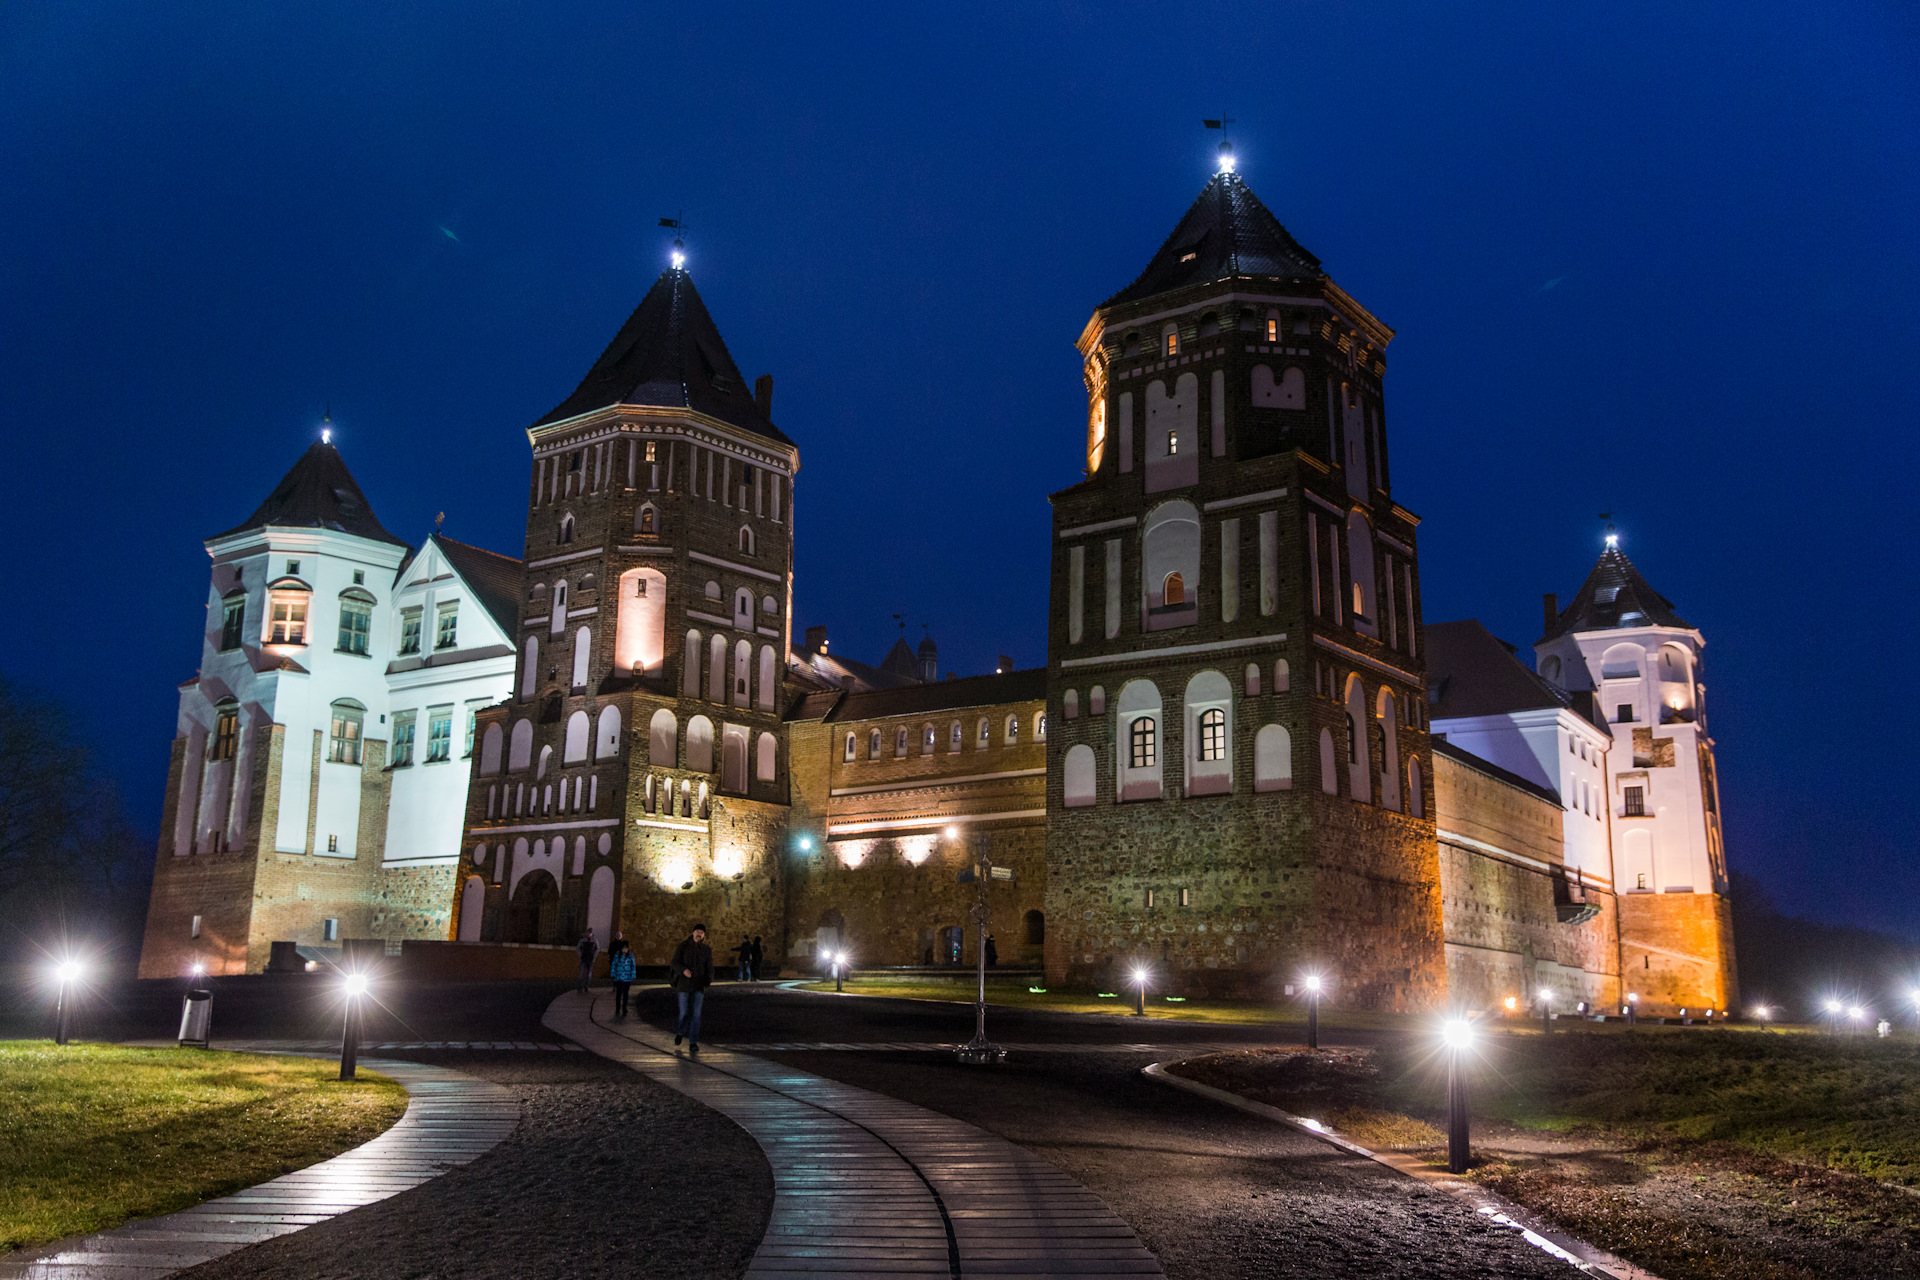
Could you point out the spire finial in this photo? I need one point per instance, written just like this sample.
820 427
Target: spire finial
1612 534
1226 144
678 225
326 426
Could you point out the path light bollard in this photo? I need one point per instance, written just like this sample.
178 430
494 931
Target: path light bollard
1139 991
1833 1008
1458 1036
1633 1009
835 958
1313 985
67 974
1546 1012
355 988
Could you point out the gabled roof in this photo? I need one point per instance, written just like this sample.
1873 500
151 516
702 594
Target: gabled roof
1615 595
1472 672
669 354
944 695
1227 232
495 579
318 493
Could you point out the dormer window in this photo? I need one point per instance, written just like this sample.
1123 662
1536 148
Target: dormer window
409 632
446 633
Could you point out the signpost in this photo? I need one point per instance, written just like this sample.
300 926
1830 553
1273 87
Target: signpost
981 1050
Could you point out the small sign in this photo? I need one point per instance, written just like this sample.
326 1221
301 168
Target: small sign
1001 873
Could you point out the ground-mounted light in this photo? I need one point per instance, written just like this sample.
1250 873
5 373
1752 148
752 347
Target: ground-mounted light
67 975
1315 984
354 986
1457 1035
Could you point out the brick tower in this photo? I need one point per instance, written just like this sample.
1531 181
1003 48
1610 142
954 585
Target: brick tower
637 778
1623 643
1239 784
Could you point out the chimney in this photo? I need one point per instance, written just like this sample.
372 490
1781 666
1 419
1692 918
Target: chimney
817 639
1551 603
763 395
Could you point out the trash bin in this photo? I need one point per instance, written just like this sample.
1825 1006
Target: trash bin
196 1018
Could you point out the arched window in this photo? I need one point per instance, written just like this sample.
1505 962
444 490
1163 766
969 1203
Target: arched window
742 673
953 737
1170 562
1079 781
530 667
690 667
520 749
769 606
663 740
1272 759
1550 668
900 741
578 731
1143 743
1013 730
1359 764
700 745
1386 715
1173 591
1329 767
717 668
873 745
1070 704
1360 566
1208 707
768 675
640 635
746 540
607 740
1040 727
1253 680
557 616
1097 701
743 609
733 758
850 752
982 735
713 591
546 758
566 528
582 654
1213 734
491 744
765 749
1282 678
646 520
926 739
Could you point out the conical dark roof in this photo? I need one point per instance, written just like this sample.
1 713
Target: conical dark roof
318 493
1615 595
670 354
900 661
1227 232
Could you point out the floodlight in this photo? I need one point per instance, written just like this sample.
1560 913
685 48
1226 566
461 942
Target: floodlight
1457 1033
356 984
68 970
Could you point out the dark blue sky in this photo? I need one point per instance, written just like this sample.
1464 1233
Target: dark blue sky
1658 260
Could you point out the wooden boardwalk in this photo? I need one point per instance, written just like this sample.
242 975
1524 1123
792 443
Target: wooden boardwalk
450 1119
869 1187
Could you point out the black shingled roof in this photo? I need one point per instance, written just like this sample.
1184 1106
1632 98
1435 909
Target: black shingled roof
670 354
1472 672
317 493
944 695
1227 232
1615 595
495 579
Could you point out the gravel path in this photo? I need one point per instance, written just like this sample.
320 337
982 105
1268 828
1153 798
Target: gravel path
608 1175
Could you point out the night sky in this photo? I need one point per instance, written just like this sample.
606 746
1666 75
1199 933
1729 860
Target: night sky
1658 260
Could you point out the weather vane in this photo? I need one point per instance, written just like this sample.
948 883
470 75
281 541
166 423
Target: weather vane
1613 536
679 227
1226 144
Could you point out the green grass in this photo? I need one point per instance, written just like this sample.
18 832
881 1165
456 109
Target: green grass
1015 993
93 1135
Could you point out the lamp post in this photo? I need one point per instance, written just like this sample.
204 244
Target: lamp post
980 1050
839 970
1458 1036
1546 1012
1855 1016
355 987
1140 976
1314 985
1633 1009
68 973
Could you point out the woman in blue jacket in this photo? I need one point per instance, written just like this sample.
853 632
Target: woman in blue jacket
620 969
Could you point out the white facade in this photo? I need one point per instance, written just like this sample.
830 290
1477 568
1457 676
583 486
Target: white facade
1661 787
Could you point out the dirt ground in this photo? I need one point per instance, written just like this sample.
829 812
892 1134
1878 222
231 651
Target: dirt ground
1684 1209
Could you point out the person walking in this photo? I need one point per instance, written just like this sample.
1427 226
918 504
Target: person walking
589 948
620 968
759 954
743 956
692 969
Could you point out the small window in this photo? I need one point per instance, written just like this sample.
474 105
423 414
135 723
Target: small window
1173 592
646 522
1143 748
409 632
440 736
1150 897
289 610
873 745
1173 443
402 740
1097 701
293 568
573 460
1253 680
1273 330
1186 895
1173 343
652 454
333 846
359 577
849 755
1070 704
1040 727
1213 734
926 739
226 733
768 605
232 619
953 737
900 741
982 734
330 927
713 591
566 529
356 620
446 632
1634 804
1013 730
1359 601
1623 714
194 931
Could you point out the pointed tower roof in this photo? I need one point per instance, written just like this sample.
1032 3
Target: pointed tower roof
900 661
669 354
1615 595
318 493
1227 232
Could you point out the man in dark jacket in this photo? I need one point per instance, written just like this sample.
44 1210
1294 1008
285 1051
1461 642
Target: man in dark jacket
589 948
692 970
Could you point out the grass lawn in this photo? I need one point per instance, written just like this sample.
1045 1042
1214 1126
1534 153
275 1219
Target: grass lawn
93 1135
1016 994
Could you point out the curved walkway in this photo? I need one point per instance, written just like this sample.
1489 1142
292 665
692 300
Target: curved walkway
450 1119
868 1186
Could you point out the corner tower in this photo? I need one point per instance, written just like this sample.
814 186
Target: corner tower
1623 643
1240 782
637 778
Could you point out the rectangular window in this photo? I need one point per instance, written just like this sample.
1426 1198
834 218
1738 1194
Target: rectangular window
446 631
473 726
1186 895
232 617
359 577
195 931
1273 331
289 620
402 740
1635 803
330 927
440 735
1623 714
1149 897
226 733
356 619
293 568
409 632
345 747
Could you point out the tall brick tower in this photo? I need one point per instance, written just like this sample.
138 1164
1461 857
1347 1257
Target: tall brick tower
1624 643
1239 782
637 779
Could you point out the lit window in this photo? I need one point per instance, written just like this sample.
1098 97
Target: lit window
652 456
953 737
355 621
232 618
345 733
402 740
981 735
226 733
646 516
873 745
1273 330
194 932
1173 344
849 754
926 738
289 613
1213 734
447 629
1173 591
409 632
1173 443
440 736
472 723
900 741
1359 602
1013 730
1040 727
1143 749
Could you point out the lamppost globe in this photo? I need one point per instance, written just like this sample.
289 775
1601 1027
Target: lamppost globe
1856 1012
1313 983
68 970
356 984
1457 1033
197 968
1139 975
806 844
1833 1006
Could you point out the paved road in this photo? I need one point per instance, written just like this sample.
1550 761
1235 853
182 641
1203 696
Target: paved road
1212 1192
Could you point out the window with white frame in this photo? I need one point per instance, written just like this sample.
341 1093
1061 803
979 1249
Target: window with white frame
1143 744
288 613
233 616
446 630
983 734
356 623
850 747
1213 734
439 734
409 632
345 725
402 739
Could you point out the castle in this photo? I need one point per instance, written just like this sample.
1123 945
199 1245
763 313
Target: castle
1247 755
